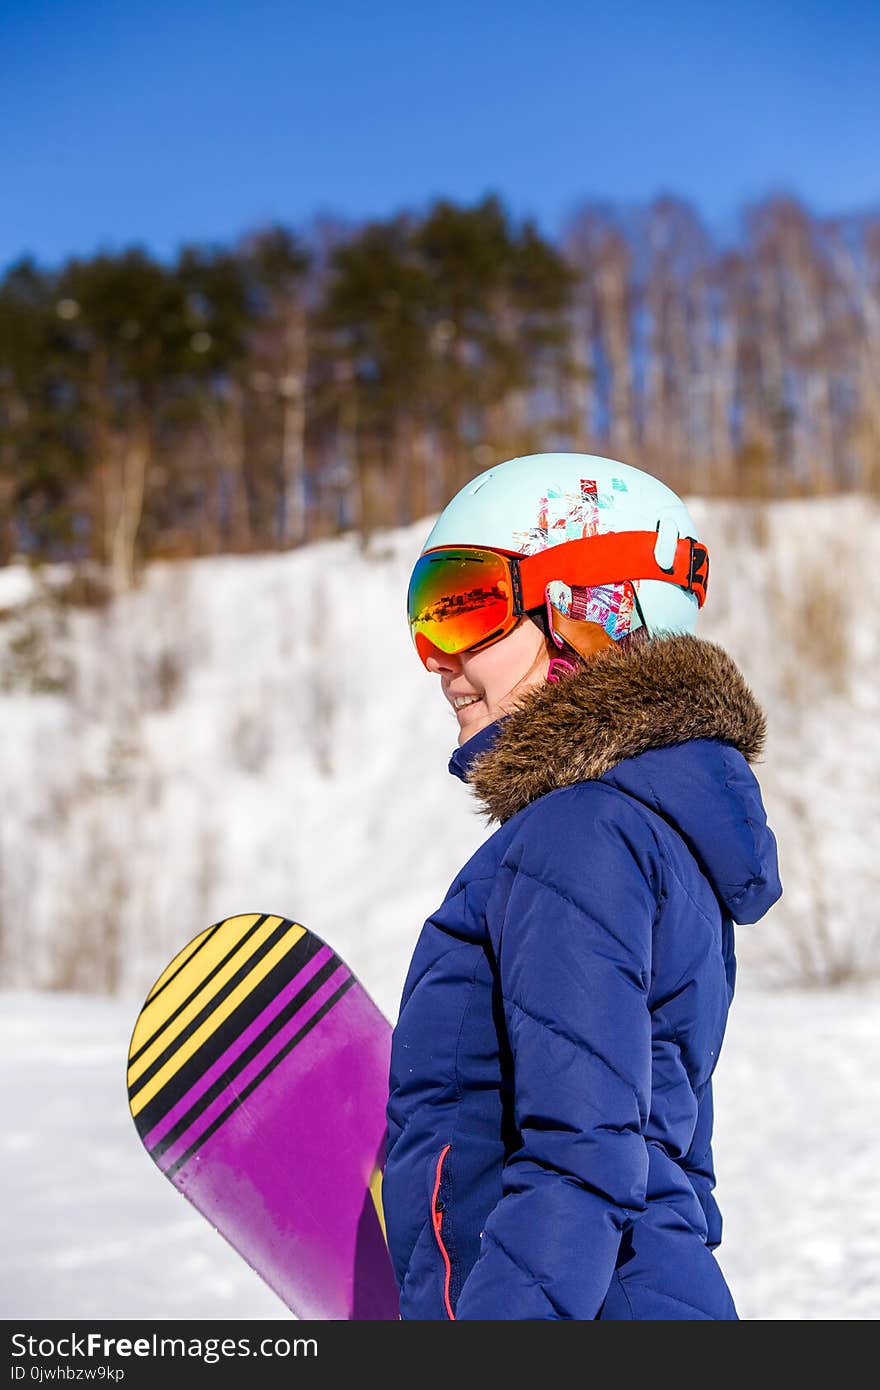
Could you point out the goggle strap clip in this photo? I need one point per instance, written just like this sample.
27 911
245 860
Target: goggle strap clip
698 570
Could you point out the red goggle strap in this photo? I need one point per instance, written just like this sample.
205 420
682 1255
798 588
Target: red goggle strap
611 558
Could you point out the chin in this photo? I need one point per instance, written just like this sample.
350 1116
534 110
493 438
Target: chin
468 730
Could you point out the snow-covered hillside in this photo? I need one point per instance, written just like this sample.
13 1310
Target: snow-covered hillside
257 734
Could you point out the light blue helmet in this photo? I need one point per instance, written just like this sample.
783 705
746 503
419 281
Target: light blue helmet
531 503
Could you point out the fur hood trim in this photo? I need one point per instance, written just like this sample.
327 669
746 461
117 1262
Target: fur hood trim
620 704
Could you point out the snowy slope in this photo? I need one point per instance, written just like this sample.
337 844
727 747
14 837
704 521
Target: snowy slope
257 734
95 1230
240 734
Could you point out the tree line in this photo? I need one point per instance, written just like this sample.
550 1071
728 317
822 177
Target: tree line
299 384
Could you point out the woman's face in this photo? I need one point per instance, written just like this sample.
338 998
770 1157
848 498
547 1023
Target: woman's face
494 678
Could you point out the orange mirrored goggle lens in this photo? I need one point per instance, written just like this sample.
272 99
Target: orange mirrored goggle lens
460 599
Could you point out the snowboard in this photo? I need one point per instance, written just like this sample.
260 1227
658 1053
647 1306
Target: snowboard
258 1079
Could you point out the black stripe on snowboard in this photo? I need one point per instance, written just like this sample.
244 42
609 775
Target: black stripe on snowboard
172 1093
205 979
244 1014
267 1070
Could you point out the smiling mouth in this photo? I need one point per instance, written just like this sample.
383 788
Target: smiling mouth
464 702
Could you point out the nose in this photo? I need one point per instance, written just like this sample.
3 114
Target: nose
440 663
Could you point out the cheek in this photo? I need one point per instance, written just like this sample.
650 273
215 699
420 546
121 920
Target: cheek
499 677
493 673
485 671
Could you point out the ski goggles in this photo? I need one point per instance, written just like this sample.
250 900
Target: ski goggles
463 598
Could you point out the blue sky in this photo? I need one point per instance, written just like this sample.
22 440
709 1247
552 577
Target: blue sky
166 121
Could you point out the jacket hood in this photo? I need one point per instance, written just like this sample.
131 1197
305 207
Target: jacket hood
671 723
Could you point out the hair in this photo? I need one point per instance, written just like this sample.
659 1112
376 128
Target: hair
639 637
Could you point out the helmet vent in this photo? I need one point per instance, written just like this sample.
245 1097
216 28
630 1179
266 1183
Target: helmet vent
481 482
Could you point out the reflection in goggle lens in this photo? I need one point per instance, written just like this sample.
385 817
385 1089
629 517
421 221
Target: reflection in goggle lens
458 598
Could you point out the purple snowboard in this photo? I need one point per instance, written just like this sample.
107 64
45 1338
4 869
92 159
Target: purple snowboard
257 1078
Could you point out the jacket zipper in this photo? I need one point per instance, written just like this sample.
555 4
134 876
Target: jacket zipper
437 1222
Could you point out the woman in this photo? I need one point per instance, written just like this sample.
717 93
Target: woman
550 1111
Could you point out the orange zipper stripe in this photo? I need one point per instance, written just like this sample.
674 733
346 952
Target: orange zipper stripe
437 1222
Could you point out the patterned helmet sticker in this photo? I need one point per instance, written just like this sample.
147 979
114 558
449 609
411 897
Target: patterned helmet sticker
610 605
569 516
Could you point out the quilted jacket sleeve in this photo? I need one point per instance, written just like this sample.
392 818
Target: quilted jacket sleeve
572 922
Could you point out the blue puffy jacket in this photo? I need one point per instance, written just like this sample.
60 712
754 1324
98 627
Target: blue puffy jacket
550 1112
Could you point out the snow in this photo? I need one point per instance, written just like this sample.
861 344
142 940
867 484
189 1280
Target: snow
228 736
255 734
93 1229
